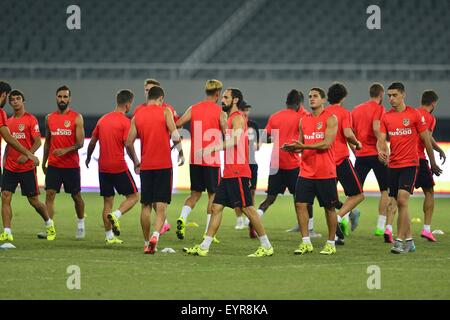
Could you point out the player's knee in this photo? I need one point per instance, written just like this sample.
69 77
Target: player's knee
6 196
77 198
34 201
402 199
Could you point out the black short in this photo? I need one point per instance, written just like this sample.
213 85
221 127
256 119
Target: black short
123 182
204 178
324 189
254 180
363 165
281 180
234 193
28 182
156 186
424 176
348 178
70 177
402 178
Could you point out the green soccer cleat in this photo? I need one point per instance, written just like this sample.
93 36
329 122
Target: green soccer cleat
115 223
345 227
6 237
378 232
328 249
196 251
304 248
181 228
262 252
51 232
215 240
114 240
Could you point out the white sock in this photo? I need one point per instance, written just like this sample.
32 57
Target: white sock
339 218
260 212
81 223
311 224
208 218
389 227
109 234
117 213
240 221
346 215
146 242
156 234
381 221
306 240
8 231
166 221
265 243
206 243
427 227
48 223
331 242
336 238
185 212
246 221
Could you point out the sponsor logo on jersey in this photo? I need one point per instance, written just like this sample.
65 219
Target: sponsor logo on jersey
401 132
19 135
62 132
314 136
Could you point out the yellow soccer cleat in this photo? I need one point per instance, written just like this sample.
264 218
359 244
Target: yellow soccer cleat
328 249
304 248
51 232
6 237
215 240
114 240
181 228
115 224
196 251
262 252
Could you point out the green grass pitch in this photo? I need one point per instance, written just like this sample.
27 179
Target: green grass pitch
37 269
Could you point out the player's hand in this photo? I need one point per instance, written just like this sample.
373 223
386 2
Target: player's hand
435 169
358 146
59 152
442 156
137 168
180 160
87 162
44 169
383 157
22 159
33 158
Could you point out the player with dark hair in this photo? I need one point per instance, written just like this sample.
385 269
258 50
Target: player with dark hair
405 126
111 132
207 123
64 136
317 176
155 127
18 169
233 190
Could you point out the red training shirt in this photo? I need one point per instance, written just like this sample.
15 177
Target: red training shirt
344 122
431 124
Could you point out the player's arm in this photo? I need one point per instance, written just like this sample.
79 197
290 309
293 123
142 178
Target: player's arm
185 118
10 140
436 147
237 131
79 139
351 138
223 121
129 144
90 150
174 134
425 136
382 147
36 145
376 128
48 137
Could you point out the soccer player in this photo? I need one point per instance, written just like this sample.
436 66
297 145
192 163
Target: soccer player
317 177
112 131
404 125
234 187
424 178
283 127
253 146
18 169
155 126
345 171
366 125
208 122
63 137
148 84
5 89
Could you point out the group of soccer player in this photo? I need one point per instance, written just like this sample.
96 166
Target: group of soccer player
310 155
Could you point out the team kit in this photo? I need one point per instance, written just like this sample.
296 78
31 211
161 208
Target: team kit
311 154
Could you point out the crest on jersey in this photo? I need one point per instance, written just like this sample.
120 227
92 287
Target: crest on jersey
319 125
406 122
67 123
21 127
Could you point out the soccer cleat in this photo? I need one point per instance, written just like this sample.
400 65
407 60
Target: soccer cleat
152 244
181 228
378 232
313 234
294 229
215 240
114 240
339 242
6 237
345 227
304 248
398 247
196 251
80 233
354 218
115 224
410 246
146 249
388 238
51 232
339 232
328 249
262 252
166 227
428 235
42 235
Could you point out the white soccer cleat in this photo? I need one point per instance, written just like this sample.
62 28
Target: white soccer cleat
80 233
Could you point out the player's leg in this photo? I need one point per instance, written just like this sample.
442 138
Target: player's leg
381 174
6 216
160 218
391 208
110 236
428 208
71 179
328 198
197 187
274 187
304 196
79 209
146 210
50 202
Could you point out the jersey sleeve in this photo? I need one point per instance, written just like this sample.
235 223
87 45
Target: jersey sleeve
346 120
3 118
420 123
34 127
126 129
378 113
383 125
